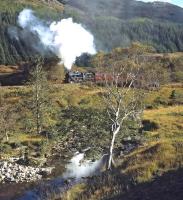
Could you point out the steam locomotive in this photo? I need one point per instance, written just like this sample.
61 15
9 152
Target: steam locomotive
79 77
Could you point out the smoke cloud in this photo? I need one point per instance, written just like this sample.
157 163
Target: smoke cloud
65 38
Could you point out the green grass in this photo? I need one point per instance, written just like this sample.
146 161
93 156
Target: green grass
161 151
169 119
163 95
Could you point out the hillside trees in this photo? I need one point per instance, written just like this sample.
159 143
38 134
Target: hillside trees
16 44
168 67
83 60
121 30
109 32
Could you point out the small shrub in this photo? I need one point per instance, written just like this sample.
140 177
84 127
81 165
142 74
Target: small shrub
173 94
176 98
161 101
84 101
15 145
177 76
5 148
151 106
149 126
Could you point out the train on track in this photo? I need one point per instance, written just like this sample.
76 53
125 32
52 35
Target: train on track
101 78
79 77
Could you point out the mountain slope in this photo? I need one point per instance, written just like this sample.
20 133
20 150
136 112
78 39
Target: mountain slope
120 22
43 7
113 23
15 49
128 9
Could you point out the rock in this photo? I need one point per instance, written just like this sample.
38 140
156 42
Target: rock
13 172
127 139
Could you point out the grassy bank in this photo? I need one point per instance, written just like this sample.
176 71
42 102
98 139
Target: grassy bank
160 153
163 133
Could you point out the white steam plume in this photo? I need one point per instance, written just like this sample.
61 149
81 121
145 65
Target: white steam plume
65 38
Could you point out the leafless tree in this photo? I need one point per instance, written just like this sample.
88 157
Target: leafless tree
123 98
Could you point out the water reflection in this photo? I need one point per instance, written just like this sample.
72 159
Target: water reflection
76 170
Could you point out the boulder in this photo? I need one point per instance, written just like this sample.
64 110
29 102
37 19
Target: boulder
13 172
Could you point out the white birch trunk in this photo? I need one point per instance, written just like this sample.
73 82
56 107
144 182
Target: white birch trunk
115 132
7 137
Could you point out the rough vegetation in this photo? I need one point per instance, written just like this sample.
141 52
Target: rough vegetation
45 121
76 113
162 146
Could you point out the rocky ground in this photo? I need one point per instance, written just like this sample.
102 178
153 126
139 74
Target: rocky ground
12 172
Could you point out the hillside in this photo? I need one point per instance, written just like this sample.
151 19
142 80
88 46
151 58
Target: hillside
120 22
15 46
49 8
128 9
113 24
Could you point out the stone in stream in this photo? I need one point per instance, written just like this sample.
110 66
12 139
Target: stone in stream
13 172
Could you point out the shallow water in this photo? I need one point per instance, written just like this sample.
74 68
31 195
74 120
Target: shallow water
75 171
48 190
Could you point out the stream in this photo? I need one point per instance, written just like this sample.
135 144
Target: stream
76 172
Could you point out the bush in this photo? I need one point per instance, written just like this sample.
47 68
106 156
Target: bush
161 101
5 148
84 101
149 126
176 98
173 94
15 145
151 106
80 128
177 76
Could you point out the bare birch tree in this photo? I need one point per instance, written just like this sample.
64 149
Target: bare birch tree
123 98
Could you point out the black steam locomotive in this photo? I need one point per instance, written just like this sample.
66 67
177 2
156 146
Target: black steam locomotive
78 77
